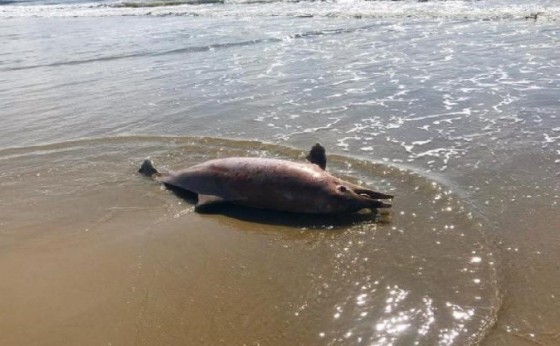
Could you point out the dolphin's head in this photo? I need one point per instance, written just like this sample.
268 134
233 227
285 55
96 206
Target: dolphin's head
347 197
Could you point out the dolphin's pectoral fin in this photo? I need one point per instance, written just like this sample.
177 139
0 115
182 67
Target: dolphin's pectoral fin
317 156
209 199
206 201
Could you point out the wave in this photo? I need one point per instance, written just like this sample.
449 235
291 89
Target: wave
452 10
193 49
144 4
190 49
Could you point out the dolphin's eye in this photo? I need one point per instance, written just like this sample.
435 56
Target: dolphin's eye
342 188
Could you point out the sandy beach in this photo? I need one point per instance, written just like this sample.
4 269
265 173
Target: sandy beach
450 106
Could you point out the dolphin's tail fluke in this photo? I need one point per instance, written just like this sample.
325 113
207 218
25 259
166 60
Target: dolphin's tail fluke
147 169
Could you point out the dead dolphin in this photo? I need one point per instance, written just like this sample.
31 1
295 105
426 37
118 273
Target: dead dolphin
271 184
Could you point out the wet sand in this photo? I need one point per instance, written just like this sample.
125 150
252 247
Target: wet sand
93 253
452 106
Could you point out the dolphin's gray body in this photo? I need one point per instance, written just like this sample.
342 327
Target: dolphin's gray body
270 184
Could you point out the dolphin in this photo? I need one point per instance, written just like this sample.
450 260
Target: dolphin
300 187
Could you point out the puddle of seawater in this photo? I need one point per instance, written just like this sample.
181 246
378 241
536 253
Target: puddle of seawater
93 251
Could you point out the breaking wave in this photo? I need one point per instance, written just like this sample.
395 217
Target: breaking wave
453 10
148 4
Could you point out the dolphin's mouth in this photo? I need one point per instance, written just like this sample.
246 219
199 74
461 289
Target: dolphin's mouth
372 197
372 194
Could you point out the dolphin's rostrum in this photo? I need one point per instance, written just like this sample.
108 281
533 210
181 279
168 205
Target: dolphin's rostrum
271 184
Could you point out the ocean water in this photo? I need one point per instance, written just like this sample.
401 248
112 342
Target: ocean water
453 106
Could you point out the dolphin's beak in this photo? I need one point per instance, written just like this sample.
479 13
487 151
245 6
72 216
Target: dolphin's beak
371 193
371 197
378 204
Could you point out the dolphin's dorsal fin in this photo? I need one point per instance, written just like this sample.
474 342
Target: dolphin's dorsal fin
317 156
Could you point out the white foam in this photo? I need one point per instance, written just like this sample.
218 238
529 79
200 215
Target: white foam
471 10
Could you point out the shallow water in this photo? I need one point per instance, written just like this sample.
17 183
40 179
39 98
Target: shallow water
258 276
452 106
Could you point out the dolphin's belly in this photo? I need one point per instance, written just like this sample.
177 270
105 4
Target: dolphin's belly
286 197
269 184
